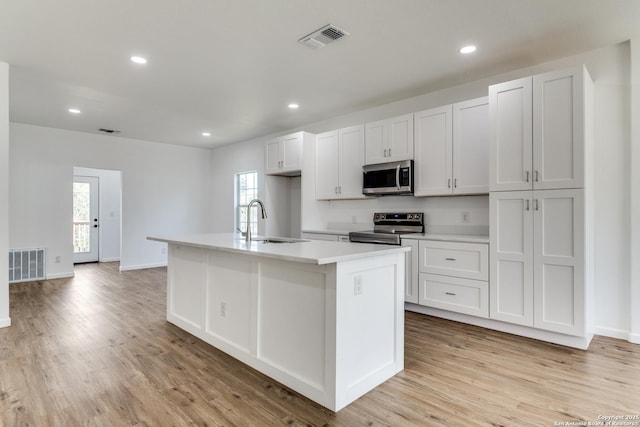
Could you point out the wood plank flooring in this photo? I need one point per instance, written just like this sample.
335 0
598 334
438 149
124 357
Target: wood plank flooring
96 350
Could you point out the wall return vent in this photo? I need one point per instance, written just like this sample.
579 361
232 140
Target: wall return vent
323 36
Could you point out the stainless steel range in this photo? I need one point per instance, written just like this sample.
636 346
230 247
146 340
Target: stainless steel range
388 227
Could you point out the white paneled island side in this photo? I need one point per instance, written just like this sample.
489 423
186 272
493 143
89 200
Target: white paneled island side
323 318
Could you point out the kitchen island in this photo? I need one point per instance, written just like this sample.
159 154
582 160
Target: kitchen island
323 318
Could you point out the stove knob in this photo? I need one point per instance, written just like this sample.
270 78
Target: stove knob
377 216
410 216
382 216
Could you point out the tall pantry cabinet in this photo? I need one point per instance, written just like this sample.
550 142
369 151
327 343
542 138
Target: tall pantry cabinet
541 204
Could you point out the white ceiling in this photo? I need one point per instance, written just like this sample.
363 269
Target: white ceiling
232 66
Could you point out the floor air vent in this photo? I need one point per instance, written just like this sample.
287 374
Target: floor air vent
323 36
26 265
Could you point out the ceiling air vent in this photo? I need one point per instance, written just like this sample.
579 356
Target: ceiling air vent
109 131
323 36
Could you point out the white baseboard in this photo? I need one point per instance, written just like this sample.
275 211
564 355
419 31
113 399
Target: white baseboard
612 333
5 323
60 275
634 338
142 266
115 259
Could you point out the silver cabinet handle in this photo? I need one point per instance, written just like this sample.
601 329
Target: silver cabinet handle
537 207
536 173
339 190
450 259
389 151
455 182
527 208
385 152
335 190
449 183
526 175
450 293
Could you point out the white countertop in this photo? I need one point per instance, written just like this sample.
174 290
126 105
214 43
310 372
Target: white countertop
311 252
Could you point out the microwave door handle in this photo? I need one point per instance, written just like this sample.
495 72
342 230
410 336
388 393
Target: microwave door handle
398 177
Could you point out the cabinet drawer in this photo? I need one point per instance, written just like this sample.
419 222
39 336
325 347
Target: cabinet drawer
454 294
467 260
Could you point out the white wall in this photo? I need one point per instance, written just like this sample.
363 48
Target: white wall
609 67
275 191
165 190
634 301
5 320
109 195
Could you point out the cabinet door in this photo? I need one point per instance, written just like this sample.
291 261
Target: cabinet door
400 142
272 156
558 130
558 269
510 135
351 161
511 255
411 283
375 142
292 152
327 156
433 152
471 147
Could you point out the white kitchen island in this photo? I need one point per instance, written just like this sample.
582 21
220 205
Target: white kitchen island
324 318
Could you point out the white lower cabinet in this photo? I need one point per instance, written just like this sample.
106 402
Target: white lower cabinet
454 294
453 276
538 259
411 271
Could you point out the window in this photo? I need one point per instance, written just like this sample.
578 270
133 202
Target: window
246 190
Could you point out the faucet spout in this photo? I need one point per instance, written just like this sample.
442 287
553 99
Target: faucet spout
264 216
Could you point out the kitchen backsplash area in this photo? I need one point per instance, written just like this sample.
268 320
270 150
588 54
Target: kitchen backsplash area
455 215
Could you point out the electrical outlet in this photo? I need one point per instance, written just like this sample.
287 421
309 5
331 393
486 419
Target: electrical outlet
465 217
223 309
58 259
357 285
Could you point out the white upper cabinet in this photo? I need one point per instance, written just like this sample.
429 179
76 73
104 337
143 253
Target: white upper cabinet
283 155
389 140
538 131
339 160
452 149
471 146
434 151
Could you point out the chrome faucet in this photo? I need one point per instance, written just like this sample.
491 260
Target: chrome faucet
264 215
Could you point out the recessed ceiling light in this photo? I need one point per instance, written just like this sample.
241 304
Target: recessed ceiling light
293 106
138 59
468 49
206 133
74 111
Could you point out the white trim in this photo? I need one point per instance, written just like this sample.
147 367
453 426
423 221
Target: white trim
114 259
5 323
581 343
60 275
612 333
634 338
142 266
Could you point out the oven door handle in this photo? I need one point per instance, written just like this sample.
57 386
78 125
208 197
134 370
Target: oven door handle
398 176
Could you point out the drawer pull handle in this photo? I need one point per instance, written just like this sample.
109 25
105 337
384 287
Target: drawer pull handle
450 293
450 259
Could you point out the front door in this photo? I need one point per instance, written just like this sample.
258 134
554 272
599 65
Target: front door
85 219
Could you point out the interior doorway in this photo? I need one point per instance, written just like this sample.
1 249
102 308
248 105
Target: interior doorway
97 225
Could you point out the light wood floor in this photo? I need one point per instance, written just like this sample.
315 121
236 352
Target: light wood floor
97 350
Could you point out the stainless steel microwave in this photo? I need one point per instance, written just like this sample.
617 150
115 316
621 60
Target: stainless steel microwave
388 178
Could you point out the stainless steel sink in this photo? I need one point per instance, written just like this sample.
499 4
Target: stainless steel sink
278 240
